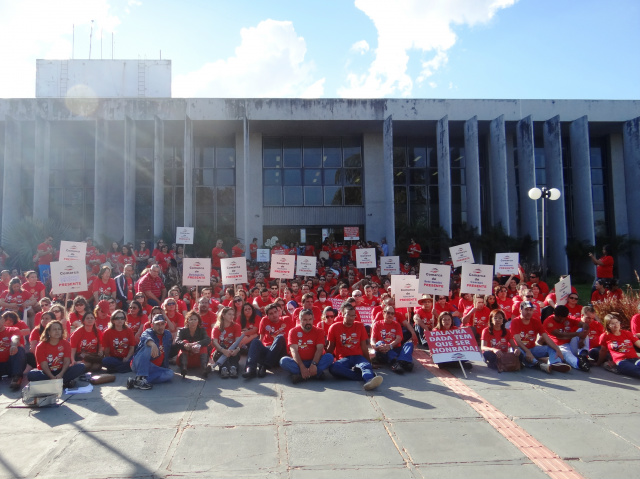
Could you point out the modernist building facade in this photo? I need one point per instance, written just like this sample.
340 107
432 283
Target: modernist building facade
133 168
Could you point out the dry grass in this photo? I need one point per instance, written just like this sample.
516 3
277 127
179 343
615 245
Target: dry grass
627 307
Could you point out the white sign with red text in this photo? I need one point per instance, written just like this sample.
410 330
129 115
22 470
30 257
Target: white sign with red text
461 254
196 271
306 266
184 235
282 266
434 279
507 263
233 270
262 255
68 276
563 290
72 251
476 278
366 258
390 265
405 290
453 345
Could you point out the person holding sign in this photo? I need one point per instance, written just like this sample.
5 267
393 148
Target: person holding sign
496 340
423 317
386 340
349 341
445 323
477 316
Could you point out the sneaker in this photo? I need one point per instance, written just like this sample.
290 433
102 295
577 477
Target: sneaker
249 373
406 365
224 373
69 384
16 381
545 367
396 368
130 382
562 367
262 370
296 378
583 364
142 383
183 372
233 372
611 367
373 383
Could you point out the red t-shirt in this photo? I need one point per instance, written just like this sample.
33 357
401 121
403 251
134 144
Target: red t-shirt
118 342
347 340
5 342
227 336
496 340
386 332
134 322
253 250
216 254
317 315
620 347
307 342
46 258
177 319
84 341
426 316
635 324
505 306
53 355
149 283
37 290
103 289
18 297
480 319
527 333
606 270
268 330
159 360
596 329
164 260
208 321
597 296
567 326
237 252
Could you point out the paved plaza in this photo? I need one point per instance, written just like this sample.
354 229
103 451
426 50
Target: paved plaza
425 424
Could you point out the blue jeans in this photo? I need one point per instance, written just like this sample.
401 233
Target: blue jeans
401 353
344 368
540 352
73 372
629 367
289 364
571 351
269 356
116 365
142 366
16 363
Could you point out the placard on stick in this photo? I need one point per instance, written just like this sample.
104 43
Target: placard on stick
563 290
507 263
196 271
306 265
184 235
262 255
476 278
72 251
233 270
68 276
390 265
461 254
405 290
366 258
453 345
434 279
283 266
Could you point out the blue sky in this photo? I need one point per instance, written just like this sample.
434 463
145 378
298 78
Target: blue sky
560 49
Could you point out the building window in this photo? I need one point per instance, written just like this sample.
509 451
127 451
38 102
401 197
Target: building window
458 185
173 188
312 171
144 193
599 187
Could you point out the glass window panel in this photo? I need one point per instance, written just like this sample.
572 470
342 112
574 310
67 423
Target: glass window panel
204 157
204 201
352 151
293 196
595 155
456 176
143 205
541 177
399 176
55 196
272 177
598 198
457 157
226 197
312 152
432 176
333 196
539 157
226 156
417 195
179 201
292 177
434 208
313 177
596 176
226 177
226 221
179 176
313 196
292 153
400 194
417 177
332 153
168 207
203 177
74 178
399 156
168 176
73 196
90 159
332 177
205 221
56 178
417 153
352 176
273 196
432 157
272 152
352 195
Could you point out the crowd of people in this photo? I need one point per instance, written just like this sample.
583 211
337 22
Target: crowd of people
136 317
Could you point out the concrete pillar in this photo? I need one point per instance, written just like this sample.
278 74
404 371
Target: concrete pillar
527 180
582 197
618 209
631 138
100 182
472 173
188 172
158 177
41 169
11 194
444 174
498 172
387 173
129 180
374 204
557 225
244 210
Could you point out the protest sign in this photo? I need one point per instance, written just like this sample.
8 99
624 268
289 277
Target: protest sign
196 271
233 270
184 235
351 233
476 279
283 266
72 251
68 276
434 279
365 314
461 254
453 345
405 290
262 255
306 266
563 290
366 258
390 265
507 263
336 302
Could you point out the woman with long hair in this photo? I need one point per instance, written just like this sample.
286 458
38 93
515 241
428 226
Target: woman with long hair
78 309
118 344
136 319
224 334
619 344
249 323
444 324
104 286
496 339
34 337
85 344
193 341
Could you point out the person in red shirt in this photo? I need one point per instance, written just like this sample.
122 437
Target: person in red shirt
386 340
217 254
102 314
477 316
307 303
306 345
136 319
224 335
45 252
33 286
175 320
152 286
441 305
142 256
600 293
12 355
621 345
207 316
118 344
85 344
414 251
164 257
193 343
264 300
604 265
105 285
5 277
575 310
253 249
614 290
571 336
266 351
238 250
53 357
496 339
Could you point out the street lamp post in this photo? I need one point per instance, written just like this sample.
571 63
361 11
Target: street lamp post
546 194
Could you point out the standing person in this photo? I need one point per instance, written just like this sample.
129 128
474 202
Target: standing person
127 256
253 249
12 356
414 251
193 341
113 257
217 254
45 252
238 250
150 361
118 344
125 286
349 341
604 265
142 256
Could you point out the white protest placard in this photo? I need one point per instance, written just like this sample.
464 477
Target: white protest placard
306 266
68 276
366 258
453 345
72 251
196 271
283 266
476 278
434 279
390 265
405 290
184 235
507 263
461 254
262 255
563 290
233 270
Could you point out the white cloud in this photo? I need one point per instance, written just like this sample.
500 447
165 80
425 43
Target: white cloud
433 84
269 62
407 25
361 47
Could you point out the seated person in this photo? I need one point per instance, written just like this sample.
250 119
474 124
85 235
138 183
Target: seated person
496 339
386 340
571 336
620 345
267 350
192 341
150 361
118 343
12 354
225 338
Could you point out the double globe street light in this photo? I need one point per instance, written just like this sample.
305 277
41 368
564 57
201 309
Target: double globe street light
546 194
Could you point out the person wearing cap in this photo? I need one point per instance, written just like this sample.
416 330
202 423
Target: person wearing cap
423 318
102 312
571 336
150 361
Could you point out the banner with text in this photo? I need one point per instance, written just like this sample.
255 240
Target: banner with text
233 270
72 251
184 235
366 258
390 265
335 302
476 279
196 271
405 289
563 290
351 233
365 314
434 279
461 254
262 255
283 266
306 266
507 263
68 276
453 345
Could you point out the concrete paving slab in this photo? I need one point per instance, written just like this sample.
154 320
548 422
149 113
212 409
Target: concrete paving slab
410 405
381 472
539 403
328 405
482 471
607 469
21 462
232 411
622 425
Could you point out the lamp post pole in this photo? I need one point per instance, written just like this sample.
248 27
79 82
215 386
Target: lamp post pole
546 194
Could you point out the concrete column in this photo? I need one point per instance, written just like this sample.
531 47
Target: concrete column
243 225
374 204
100 182
387 173
41 169
129 180
11 180
619 215
472 173
631 138
158 177
557 225
498 173
188 172
527 180
444 174
582 197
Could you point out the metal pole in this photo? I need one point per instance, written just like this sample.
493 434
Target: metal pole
544 242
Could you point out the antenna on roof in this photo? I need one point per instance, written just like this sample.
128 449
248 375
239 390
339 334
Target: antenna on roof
73 39
90 38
